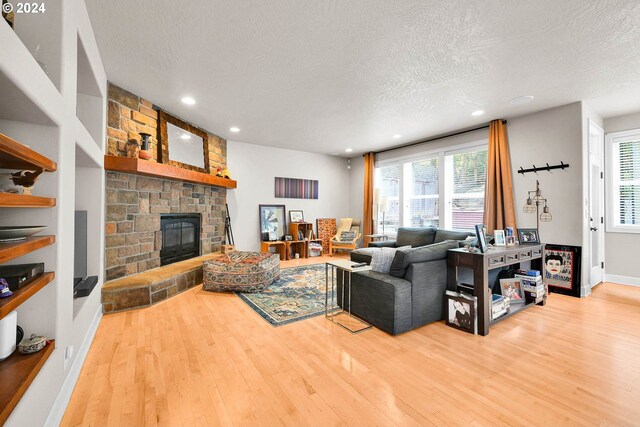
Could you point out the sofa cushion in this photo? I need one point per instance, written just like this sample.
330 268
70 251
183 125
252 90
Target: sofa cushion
442 235
404 257
415 236
381 258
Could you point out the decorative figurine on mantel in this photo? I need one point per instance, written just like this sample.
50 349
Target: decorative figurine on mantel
144 153
133 147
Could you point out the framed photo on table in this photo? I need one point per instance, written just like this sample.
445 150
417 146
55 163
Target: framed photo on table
296 216
273 220
499 238
482 239
528 236
511 288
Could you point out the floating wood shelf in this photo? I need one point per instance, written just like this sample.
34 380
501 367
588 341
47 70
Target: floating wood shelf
8 200
159 170
14 155
16 374
11 250
7 305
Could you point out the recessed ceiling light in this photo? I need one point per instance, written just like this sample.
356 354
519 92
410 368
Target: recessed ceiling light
478 113
521 100
396 136
349 150
185 136
188 100
234 129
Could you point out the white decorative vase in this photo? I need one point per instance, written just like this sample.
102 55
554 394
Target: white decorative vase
8 327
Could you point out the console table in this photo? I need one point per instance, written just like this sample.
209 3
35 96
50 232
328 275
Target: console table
480 264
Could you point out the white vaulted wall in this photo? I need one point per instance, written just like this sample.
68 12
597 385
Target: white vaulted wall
255 167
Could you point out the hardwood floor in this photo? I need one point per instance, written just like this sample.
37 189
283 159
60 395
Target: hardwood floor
201 359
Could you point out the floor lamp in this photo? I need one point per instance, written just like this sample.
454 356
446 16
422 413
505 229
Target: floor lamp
384 205
375 207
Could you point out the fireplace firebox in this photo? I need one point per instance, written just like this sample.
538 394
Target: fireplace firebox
180 237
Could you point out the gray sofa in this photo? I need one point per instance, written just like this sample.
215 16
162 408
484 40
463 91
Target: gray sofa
412 294
411 236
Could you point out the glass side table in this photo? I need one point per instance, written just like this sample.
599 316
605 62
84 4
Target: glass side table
344 267
377 237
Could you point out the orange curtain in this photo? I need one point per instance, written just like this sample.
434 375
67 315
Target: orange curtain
499 211
367 211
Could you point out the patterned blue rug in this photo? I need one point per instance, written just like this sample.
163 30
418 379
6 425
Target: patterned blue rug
298 294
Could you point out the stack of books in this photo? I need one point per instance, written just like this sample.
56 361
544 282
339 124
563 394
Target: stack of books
532 286
499 306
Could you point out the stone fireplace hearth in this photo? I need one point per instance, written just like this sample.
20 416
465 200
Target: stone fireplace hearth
134 206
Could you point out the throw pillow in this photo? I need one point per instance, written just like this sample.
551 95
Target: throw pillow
347 236
403 258
382 258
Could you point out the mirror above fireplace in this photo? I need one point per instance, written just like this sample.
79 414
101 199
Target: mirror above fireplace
183 145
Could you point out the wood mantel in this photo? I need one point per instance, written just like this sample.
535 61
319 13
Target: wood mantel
148 168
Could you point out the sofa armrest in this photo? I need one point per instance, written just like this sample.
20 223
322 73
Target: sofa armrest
383 244
429 284
379 299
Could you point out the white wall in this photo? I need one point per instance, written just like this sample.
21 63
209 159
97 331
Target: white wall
621 259
255 168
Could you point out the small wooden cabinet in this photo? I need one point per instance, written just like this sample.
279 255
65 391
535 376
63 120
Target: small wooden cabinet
280 248
288 248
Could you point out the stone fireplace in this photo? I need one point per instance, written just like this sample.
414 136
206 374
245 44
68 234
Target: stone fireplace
136 200
135 205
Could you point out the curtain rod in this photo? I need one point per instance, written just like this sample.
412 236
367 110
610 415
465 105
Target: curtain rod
435 139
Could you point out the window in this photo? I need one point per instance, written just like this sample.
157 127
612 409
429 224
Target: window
442 189
388 180
468 172
623 181
423 194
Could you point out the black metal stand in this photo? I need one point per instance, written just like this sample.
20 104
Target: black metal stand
228 232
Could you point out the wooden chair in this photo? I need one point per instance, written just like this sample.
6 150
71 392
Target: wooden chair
335 243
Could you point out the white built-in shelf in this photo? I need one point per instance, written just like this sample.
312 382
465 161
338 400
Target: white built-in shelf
29 95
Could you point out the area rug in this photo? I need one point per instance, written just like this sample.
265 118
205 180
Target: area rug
298 294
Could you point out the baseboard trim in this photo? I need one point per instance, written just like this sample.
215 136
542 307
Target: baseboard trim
62 400
623 280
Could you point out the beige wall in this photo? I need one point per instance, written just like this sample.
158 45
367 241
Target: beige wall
551 136
621 257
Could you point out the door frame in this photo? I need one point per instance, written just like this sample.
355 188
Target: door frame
598 223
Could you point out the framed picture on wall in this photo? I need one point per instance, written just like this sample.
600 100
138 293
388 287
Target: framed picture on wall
273 220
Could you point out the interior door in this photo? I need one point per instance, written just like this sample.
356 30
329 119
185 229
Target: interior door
596 204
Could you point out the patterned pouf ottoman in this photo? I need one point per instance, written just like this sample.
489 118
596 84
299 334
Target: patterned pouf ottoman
241 271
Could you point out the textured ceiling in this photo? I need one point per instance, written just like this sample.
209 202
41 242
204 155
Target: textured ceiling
325 75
